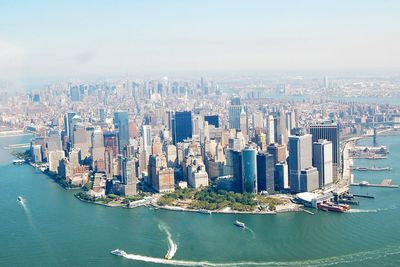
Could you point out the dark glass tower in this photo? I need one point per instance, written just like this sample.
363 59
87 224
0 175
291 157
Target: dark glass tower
212 120
181 126
121 122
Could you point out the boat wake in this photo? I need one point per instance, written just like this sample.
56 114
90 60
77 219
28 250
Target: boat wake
172 246
360 211
345 259
251 231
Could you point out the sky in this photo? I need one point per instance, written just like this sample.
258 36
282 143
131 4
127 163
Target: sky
47 39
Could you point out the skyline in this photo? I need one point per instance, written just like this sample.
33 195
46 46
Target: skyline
42 40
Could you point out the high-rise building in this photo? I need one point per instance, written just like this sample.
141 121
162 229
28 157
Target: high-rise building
75 93
278 152
161 178
212 120
68 123
181 126
249 170
300 158
322 160
330 132
270 130
121 123
281 176
129 178
54 159
97 146
265 173
235 112
308 179
147 138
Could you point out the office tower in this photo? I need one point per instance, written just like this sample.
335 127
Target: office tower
300 158
212 120
161 178
249 170
278 152
308 179
270 130
181 126
197 175
75 93
54 159
102 114
322 160
258 120
281 176
197 124
326 82
290 121
330 132
243 122
111 141
156 147
68 123
281 133
54 142
129 176
171 156
234 161
147 139
121 123
265 173
97 147
74 157
235 100
82 139
235 112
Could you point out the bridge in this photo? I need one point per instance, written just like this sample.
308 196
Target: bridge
15 146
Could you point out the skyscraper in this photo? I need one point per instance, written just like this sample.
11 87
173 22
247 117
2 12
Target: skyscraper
212 120
265 173
249 170
270 130
147 139
300 158
181 126
322 160
330 132
281 176
121 122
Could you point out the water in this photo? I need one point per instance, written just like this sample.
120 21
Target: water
53 228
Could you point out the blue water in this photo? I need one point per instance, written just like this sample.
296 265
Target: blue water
55 229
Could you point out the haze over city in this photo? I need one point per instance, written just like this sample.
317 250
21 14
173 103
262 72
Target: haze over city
45 40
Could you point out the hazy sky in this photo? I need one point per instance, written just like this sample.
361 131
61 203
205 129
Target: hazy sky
80 38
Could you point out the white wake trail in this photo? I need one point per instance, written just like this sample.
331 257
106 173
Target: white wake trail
172 246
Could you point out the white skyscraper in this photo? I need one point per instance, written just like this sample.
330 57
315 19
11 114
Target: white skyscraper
270 130
147 139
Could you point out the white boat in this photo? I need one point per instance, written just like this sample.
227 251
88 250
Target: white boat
119 252
18 161
20 199
205 211
240 224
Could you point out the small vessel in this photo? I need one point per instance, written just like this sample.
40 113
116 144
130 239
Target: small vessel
168 256
118 252
20 199
18 161
205 211
239 224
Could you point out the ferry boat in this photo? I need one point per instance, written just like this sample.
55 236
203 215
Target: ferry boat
331 207
119 252
18 161
239 224
20 199
205 211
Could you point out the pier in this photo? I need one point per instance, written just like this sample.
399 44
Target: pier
387 183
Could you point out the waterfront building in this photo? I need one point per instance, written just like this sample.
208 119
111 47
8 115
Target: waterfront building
265 173
161 178
330 132
300 158
249 170
322 160
54 160
309 179
281 176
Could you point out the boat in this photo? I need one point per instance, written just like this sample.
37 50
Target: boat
331 207
118 252
20 199
18 161
239 224
168 256
205 211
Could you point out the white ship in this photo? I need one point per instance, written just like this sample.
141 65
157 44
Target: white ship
240 224
119 252
20 199
205 211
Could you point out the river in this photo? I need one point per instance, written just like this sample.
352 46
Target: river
53 228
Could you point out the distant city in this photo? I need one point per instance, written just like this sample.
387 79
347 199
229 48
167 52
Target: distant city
251 145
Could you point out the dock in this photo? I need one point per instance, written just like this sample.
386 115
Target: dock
308 212
365 196
387 183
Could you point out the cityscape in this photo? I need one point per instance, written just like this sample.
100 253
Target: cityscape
204 166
